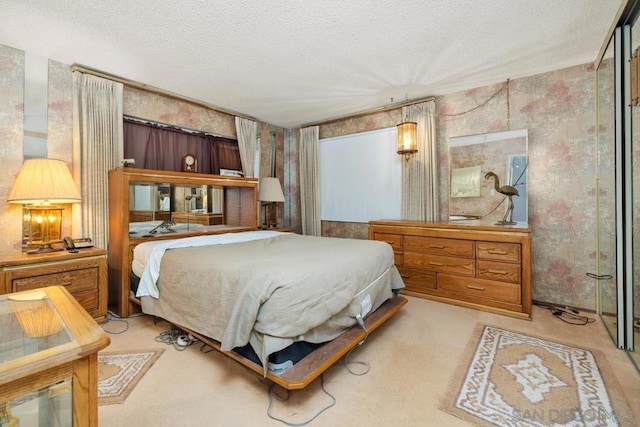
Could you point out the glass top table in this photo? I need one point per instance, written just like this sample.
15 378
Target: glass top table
30 323
48 359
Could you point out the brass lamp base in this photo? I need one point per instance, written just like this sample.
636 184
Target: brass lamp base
270 219
46 248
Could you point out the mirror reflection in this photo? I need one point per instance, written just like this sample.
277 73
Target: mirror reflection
484 170
165 208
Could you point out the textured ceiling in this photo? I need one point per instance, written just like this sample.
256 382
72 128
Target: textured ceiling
294 62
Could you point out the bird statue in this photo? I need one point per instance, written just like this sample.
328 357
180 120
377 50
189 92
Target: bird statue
508 191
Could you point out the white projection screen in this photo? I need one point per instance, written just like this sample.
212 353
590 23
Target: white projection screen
360 177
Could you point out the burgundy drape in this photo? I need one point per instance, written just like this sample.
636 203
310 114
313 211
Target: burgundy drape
159 147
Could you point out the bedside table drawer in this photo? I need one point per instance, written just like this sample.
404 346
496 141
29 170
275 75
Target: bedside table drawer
73 280
89 300
83 274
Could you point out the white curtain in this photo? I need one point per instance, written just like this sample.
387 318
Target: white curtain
310 181
246 130
420 172
97 148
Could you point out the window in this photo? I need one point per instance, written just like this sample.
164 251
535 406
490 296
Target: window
360 177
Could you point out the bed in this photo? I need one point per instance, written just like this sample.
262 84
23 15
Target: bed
270 292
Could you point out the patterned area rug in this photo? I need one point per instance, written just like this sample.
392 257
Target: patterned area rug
510 379
119 372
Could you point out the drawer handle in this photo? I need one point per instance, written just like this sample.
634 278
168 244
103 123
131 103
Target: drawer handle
436 246
439 264
475 288
497 251
391 242
404 276
496 271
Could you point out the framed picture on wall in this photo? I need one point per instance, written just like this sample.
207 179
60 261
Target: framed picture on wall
465 182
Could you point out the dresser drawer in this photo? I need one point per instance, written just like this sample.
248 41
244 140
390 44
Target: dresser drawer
432 245
479 288
73 280
417 280
395 240
398 259
498 271
496 251
441 264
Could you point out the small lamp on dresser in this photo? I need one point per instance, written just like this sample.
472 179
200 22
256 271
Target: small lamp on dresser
40 185
270 193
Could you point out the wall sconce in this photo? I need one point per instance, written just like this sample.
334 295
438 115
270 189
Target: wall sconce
270 193
40 184
407 144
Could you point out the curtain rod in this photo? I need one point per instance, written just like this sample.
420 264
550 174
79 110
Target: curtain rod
372 111
174 127
147 88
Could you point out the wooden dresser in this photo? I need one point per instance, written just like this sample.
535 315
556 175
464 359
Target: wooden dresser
83 274
473 264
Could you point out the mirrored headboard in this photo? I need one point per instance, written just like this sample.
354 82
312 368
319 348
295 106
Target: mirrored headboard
191 204
471 195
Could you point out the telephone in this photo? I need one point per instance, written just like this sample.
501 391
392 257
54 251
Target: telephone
72 245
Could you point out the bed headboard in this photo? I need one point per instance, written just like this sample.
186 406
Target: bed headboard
189 204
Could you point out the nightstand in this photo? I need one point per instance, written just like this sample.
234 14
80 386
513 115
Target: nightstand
83 274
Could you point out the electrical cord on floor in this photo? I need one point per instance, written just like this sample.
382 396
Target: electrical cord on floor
176 337
112 318
271 395
206 348
347 363
567 314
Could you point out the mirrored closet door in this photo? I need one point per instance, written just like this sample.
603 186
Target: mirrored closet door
618 148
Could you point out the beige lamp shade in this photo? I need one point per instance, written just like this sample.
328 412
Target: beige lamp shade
270 190
44 181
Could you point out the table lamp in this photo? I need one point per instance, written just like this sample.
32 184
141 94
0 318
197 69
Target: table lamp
270 193
40 185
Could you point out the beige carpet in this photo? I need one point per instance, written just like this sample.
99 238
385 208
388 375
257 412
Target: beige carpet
412 357
119 372
507 378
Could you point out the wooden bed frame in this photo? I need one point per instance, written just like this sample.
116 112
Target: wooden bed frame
315 363
239 214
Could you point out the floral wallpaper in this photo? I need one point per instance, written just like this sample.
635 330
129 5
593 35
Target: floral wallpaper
11 130
158 108
557 109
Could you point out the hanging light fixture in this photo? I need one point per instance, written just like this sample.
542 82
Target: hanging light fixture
407 144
